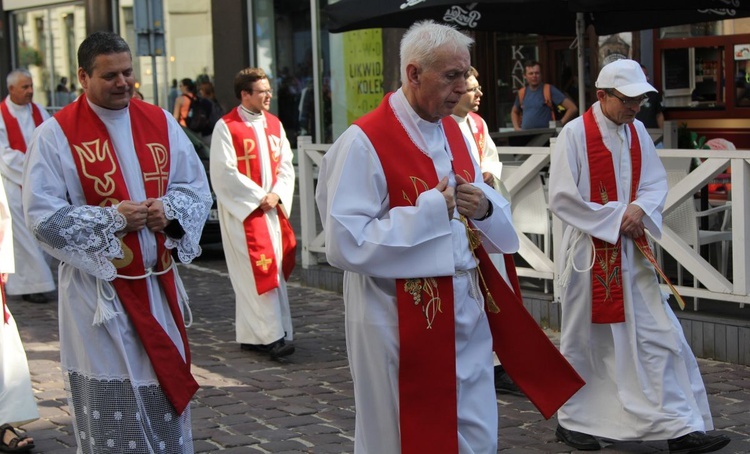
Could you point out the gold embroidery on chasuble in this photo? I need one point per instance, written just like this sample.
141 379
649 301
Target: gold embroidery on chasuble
96 152
424 290
249 147
606 258
275 144
263 262
161 163
166 258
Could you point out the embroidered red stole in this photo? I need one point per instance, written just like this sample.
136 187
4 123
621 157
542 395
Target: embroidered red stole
479 134
427 362
6 313
15 136
103 185
607 305
259 244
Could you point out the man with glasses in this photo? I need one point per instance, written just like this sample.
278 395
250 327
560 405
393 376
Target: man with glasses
484 152
608 186
253 178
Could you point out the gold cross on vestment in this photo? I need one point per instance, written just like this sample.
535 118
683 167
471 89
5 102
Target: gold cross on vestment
263 262
249 145
161 164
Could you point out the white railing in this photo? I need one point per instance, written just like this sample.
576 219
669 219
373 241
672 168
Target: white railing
715 286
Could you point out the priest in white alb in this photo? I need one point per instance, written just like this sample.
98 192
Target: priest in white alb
253 178
112 186
17 402
410 221
608 186
19 117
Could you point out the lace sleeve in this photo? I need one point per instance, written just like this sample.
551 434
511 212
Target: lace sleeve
84 237
190 209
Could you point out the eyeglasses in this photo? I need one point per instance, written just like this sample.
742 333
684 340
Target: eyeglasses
630 103
475 89
268 92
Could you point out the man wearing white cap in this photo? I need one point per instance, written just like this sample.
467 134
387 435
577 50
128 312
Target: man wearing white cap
608 186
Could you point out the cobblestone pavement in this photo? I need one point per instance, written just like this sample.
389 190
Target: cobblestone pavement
250 404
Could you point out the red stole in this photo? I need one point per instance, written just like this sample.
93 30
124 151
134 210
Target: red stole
95 157
479 134
427 362
607 305
6 313
15 136
259 243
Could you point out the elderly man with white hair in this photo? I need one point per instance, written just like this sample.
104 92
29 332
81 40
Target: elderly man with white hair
20 116
608 186
396 192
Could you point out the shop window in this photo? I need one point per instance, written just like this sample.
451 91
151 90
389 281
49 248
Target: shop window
692 30
45 42
742 82
693 78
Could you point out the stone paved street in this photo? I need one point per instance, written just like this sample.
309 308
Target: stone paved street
250 404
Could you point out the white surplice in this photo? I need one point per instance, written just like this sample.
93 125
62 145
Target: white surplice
114 394
261 319
17 403
642 379
33 273
376 244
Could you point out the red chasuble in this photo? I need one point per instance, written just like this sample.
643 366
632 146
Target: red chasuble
479 133
15 136
427 362
607 304
259 243
95 157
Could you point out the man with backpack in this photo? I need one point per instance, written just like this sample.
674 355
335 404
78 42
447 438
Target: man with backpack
537 104
193 111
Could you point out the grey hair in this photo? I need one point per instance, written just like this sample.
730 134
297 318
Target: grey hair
16 74
421 40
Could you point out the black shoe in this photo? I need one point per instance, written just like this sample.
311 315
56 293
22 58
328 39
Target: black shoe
697 442
280 349
504 384
578 440
37 298
275 349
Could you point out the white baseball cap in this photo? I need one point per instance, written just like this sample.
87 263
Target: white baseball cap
625 76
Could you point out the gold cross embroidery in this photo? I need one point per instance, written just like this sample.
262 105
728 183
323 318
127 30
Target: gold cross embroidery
249 145
263 262
161 174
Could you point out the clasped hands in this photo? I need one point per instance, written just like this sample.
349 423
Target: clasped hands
632 222
149 214
467 198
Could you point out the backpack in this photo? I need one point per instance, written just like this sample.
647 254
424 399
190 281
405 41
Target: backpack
557 111
198 115
216 113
